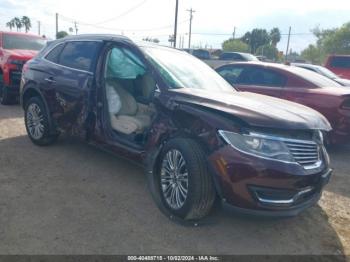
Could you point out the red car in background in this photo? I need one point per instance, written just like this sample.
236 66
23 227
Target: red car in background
297 85
339 65
15 50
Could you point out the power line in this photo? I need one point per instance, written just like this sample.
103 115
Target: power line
122 14
190 31
68 19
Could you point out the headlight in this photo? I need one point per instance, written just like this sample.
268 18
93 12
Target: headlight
258 145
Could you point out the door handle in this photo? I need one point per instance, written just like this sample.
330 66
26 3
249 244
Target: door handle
50 80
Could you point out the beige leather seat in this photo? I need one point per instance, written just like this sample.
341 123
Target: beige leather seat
132 117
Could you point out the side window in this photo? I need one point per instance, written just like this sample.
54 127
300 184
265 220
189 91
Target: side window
126 72
231 74
79 55
261 77
340 62
54 54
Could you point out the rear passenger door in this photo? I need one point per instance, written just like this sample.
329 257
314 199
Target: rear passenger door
69 77
261 80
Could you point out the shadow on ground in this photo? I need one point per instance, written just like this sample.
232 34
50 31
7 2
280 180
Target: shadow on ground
71 198
10 111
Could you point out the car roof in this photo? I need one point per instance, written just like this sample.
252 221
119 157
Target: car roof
229 52
93 37
339 55
20 33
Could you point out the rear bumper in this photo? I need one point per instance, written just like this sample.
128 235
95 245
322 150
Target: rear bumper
12 90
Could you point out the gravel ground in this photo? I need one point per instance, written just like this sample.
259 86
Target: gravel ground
71 198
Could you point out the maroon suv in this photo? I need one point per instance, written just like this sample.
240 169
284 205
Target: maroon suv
164 109
298 85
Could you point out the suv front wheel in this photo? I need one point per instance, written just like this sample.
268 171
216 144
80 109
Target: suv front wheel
37 123
185 185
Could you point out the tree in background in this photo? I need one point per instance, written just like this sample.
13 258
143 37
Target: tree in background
18 23
11 24
329 41
337 41
313 54
269 51
26 23
61 34
257 37
235 45
275 36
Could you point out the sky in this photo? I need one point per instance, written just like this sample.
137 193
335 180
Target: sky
213 21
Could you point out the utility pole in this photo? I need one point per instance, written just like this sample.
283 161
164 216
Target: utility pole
38 27
190 32
290 28
56 24
175 26
234 32
76 27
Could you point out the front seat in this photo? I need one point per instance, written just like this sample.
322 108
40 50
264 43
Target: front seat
129 118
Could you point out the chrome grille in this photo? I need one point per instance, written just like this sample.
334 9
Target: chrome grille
305 153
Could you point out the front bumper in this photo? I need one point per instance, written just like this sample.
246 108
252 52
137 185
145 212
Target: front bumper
265 187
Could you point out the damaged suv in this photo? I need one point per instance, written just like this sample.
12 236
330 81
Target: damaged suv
197 139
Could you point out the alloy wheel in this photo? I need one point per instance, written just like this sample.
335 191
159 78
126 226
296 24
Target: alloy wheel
174 179
35 121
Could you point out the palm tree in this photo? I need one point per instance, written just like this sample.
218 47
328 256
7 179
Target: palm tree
26 23
10 24
18 23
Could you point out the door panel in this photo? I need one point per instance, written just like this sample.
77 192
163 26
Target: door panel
264 90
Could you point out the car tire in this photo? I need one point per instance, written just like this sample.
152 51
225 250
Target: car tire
194 199
37 123
5 97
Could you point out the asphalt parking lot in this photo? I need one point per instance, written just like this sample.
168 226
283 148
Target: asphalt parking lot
71 198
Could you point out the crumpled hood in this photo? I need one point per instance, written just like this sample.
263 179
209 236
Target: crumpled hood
256 110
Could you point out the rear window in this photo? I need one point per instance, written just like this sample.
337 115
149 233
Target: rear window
201 54
340 61
310 76
24 42
53 55
79 54
231 56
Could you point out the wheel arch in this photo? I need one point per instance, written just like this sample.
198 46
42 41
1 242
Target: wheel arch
191 123
30 90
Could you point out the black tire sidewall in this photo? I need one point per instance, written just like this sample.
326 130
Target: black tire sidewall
46 138
192 177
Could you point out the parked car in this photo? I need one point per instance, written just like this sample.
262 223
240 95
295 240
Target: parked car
196 137
297 85
339 64
237 56
325 72
228 57
202 54
15 50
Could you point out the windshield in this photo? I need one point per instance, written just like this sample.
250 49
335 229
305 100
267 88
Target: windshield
315 78
181 70
24 42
